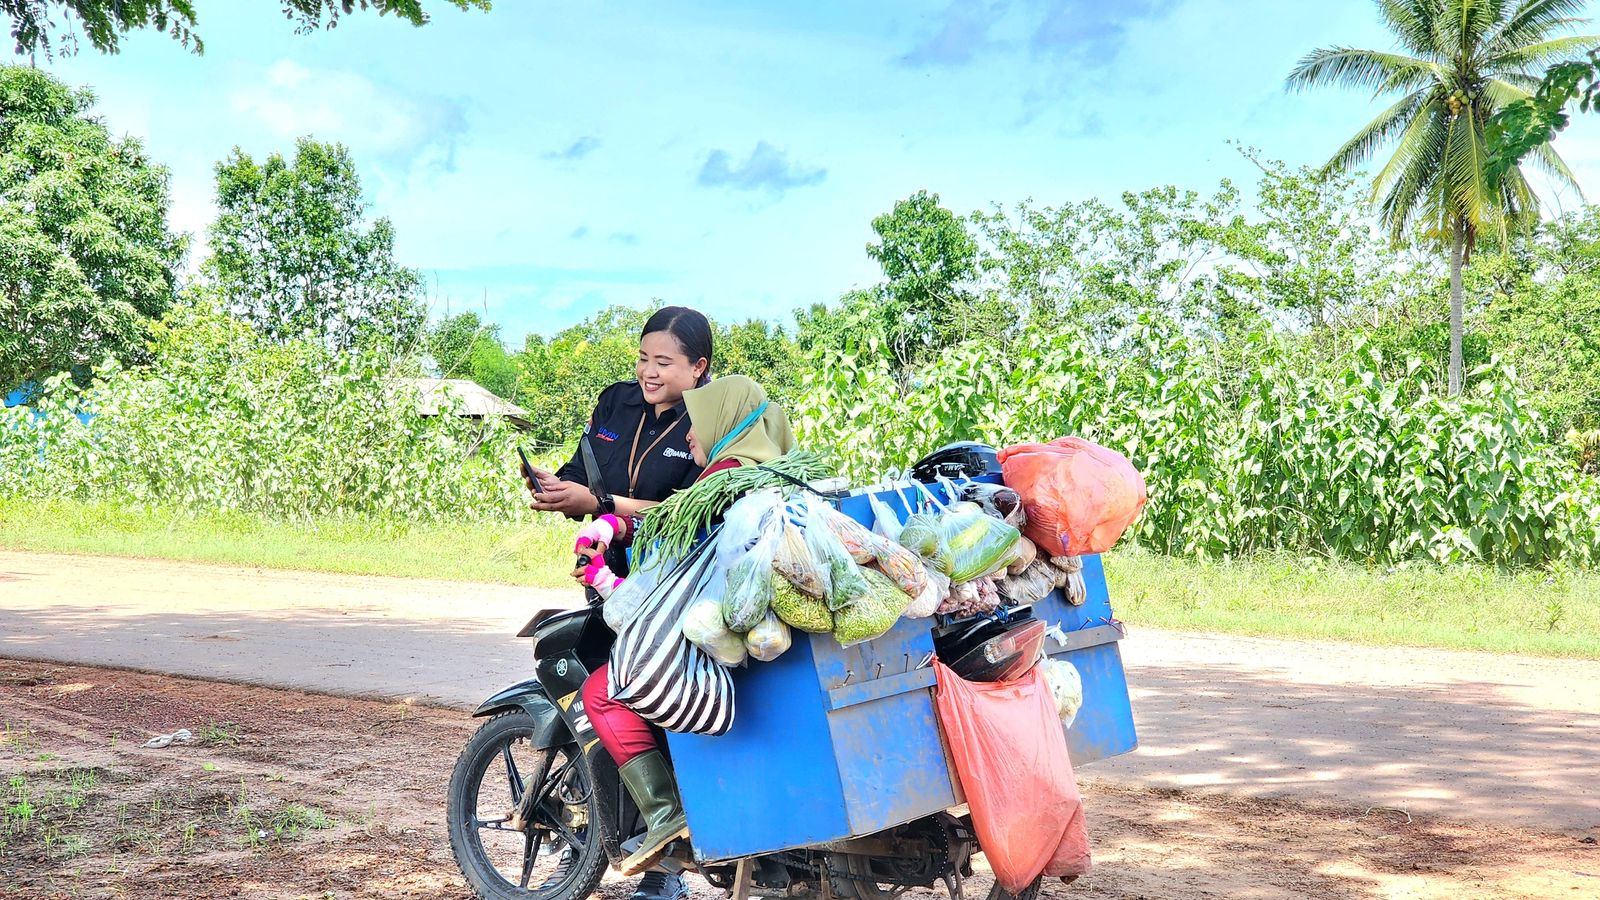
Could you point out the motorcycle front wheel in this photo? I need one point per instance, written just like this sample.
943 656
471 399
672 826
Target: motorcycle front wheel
556 854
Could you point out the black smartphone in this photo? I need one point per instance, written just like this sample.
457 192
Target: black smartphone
527 469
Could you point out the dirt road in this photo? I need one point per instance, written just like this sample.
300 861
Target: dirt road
1441 734
288 795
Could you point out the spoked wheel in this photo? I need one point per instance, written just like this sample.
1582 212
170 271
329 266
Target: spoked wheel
523 821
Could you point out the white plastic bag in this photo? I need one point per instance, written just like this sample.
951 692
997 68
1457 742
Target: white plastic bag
1066 686
702 625
624 602
926 603
768 640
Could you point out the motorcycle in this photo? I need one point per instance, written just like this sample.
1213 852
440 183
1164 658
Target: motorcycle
537 809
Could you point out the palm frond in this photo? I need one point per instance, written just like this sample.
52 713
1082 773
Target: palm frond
1548 161
1534 21
1411 22
1462 26
1544 53
1378 132
1349 67
1414 168
1501 93
1466 170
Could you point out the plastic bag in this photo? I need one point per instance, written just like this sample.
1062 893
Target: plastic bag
1080 497
657 672
905 567
1026 808
884 522
1023 555
1030 586
996 500
702 625
961 542
799 610
749 589
873 613
793 561
862 545
751 518
1070 578
1066 688
933 596
769 639
972 597
625 602
844 580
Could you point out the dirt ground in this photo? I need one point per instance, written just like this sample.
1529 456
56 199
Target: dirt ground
292 795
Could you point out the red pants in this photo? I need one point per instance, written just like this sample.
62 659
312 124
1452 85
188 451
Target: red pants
623 733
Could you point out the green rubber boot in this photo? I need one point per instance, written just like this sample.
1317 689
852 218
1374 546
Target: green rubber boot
649 779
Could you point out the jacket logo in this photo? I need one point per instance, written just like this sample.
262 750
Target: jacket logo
606 434
676 453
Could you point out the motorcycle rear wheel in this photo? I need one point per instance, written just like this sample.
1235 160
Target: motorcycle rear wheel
558 854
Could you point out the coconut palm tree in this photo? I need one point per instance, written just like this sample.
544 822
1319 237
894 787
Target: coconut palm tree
1457 62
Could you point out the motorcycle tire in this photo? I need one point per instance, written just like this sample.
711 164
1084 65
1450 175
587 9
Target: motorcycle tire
498 752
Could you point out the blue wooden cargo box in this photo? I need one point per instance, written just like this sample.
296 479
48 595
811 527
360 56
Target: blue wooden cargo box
830 742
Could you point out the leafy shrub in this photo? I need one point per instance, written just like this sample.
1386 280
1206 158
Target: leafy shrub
1268 454
224 419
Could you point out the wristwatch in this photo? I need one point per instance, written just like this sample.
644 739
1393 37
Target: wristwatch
606 503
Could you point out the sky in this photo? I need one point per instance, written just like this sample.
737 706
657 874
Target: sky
542 160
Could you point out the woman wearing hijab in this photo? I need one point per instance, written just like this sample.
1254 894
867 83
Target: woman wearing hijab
732 423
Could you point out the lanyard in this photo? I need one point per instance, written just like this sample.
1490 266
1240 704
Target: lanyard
635 458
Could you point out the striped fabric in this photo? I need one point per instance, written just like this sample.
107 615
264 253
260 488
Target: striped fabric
658 673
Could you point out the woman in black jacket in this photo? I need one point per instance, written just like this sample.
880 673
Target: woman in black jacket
639 433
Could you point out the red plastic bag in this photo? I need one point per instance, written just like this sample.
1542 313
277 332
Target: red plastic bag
1079 496
1011 756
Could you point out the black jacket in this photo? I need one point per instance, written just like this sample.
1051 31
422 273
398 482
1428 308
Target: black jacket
641 454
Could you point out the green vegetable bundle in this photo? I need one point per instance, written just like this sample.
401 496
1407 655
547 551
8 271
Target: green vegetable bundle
671 527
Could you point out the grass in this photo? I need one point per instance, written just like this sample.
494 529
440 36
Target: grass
537 554
1277 595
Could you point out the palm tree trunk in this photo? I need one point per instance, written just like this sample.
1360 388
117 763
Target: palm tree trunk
1458 242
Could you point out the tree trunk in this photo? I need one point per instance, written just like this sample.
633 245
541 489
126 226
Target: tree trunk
1458 242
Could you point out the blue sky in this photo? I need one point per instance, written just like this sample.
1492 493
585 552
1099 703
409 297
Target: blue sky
542 160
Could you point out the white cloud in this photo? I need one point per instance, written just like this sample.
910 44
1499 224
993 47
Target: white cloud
395 127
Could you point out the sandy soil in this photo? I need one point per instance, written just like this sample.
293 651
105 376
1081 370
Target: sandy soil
293 795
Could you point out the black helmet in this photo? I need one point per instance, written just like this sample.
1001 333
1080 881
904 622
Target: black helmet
963 459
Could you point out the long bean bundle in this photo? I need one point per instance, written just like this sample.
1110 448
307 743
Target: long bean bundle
669 530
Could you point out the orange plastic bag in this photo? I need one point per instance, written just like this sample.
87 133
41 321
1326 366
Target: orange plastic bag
1011 756
1079 496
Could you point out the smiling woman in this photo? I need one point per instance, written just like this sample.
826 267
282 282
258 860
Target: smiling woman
638 434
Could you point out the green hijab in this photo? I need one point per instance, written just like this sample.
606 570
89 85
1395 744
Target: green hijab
732 419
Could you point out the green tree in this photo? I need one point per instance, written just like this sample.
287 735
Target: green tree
465 346
292 254
762 351
1459 62
560 376
104 22
86 260
928 259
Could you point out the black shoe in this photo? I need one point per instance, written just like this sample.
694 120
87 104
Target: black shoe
661 886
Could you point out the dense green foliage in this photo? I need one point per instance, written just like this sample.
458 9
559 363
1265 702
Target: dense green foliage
1458 63
1271 454
225 419
104 22
292 254
86 260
